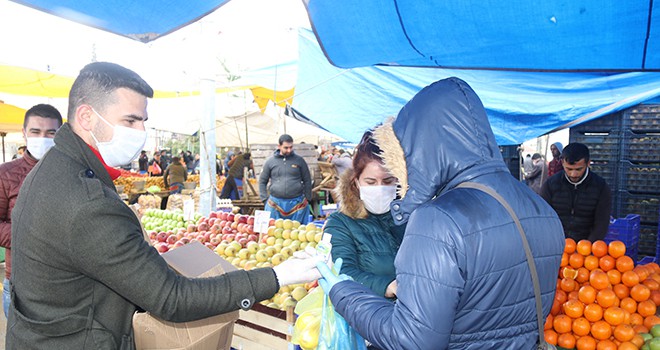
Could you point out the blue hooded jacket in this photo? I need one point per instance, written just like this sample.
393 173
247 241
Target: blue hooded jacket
463 279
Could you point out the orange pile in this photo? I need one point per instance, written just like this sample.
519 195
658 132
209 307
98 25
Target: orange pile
603 300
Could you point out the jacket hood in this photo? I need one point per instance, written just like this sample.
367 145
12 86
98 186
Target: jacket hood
440 138
559 146
348 195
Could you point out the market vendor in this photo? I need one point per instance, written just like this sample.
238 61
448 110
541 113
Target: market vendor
175 175
463 280
290 189
581 198
81 264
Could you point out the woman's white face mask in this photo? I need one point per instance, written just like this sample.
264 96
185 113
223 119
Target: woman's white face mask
125 145
377 199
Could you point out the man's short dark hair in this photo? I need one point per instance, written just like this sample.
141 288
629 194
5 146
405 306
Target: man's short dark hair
573 152
285 138
536 156
44 111
98 80
175 159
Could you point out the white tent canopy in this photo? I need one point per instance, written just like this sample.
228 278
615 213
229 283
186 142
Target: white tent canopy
265 128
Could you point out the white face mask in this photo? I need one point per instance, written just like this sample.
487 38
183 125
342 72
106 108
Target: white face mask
38 146
377 199
125 145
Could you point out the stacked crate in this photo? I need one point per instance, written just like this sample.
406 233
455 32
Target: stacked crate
624 149
511 157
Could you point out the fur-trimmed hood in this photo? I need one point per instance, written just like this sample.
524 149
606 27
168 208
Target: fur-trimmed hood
440 138
348 195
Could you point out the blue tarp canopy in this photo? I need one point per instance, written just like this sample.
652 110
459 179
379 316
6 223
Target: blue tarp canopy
597 35
520 105
143 20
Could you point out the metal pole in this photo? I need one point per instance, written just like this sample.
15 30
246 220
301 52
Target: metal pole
3 134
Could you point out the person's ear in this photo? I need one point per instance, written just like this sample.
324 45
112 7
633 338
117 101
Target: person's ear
84 117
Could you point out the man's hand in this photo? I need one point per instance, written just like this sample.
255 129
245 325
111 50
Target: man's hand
299 269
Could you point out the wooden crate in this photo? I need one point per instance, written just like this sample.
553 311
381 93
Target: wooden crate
263 328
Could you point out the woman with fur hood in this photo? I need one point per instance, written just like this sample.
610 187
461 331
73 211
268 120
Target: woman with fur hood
463 280
363 232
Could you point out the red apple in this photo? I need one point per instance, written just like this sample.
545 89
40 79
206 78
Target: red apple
243 219
191 228
250 229
171 239
216 228
230 217
212 221
213 215
222 215
250 220
215 241
161 236
162 247
204 226
252 238
178 244
209 245
243 241
184 240
226 229
240 227
271 222
152 235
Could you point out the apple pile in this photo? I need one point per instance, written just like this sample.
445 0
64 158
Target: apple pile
283 238
232 237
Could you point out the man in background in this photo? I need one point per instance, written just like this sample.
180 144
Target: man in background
538 174
19 152
555 166
290 188
342 162
143 162
39 127
237 166
581 198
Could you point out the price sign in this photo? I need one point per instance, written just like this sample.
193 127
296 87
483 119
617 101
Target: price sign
261 219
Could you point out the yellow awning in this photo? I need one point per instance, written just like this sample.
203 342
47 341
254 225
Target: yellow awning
11 117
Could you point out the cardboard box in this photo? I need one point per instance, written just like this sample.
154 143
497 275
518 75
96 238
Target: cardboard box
152 333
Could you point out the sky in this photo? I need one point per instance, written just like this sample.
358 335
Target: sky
239 36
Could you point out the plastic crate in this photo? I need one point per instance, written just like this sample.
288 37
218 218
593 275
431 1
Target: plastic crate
625 230
648 240
642 118
646 205
646 260
603 146
640 178
608 170
608 122
640 147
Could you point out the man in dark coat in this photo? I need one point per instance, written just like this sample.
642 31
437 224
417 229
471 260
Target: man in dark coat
581 198
81 265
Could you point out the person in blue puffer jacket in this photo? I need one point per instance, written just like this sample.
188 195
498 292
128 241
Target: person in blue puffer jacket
463 279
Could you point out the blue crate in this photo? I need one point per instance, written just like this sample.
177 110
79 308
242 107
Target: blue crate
646 260
625 230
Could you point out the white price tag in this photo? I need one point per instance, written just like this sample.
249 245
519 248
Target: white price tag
189 209
261 220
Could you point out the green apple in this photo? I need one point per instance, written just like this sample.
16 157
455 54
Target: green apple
654 344
646 336
277 259
261 255
655 331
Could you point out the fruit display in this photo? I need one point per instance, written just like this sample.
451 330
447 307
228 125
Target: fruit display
232 236
651 339
603 301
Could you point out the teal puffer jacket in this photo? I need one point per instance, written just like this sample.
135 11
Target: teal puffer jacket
366 242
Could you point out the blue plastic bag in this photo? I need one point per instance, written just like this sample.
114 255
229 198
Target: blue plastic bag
335 333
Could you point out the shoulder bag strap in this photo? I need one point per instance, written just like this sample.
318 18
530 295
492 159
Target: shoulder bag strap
528 251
